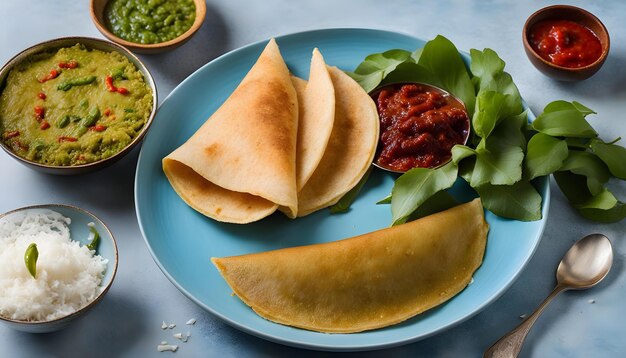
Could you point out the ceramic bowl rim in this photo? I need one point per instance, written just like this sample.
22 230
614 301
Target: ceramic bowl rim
61 42
197 23
584 13
105 289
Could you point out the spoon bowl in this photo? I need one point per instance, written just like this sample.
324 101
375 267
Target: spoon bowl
586 263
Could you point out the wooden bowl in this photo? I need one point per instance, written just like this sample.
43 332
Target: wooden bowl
578 15
97 16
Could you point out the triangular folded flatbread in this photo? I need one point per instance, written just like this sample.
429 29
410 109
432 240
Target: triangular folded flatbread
350 150
365 282
241 164
317 114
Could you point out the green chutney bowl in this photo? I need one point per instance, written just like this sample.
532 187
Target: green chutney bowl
97 8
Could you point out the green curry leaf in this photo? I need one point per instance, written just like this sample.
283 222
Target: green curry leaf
604 200
491 108
545 155
561 105
440 201
486 64
460 152
385 200
499 165
375 67
415 186
614 214
411 72
417 54
369 81
499 157
344 203
519 201
614 156
588 165
443 60
564 119
488 69
603 207
584 110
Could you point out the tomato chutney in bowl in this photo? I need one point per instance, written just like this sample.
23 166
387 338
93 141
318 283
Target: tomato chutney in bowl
419 125
73 104
565 42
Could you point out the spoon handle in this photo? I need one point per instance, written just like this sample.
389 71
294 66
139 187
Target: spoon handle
510 344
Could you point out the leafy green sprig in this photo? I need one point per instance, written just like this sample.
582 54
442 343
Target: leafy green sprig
504 153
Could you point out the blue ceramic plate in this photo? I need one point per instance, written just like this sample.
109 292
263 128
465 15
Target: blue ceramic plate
182 241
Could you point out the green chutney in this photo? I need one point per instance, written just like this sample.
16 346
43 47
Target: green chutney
149 21
73 106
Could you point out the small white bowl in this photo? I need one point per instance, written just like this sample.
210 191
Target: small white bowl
79 231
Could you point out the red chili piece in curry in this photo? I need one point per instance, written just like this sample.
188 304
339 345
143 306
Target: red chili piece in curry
68 65
52 75
40 112
565 43
111 87
419 125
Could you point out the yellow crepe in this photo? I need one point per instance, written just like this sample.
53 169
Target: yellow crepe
214 201
317 113
350 150
365 282
248 146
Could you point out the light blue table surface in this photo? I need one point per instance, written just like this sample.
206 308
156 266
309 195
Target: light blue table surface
128 321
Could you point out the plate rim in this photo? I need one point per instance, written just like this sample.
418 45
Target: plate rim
545 206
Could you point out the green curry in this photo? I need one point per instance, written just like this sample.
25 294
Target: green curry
73 106
149 21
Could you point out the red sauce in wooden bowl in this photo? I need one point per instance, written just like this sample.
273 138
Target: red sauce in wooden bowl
565 43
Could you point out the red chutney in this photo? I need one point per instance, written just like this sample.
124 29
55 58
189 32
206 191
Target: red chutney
419 125
565 43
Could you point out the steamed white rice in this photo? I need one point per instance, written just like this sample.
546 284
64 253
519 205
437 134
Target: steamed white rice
68 274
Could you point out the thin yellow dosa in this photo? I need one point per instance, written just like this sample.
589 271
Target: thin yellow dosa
365 282
248 146
350 150
214 201
317 113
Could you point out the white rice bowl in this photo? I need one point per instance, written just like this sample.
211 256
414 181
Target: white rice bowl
68 274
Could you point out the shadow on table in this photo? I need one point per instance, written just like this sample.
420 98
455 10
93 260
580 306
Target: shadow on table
107 190
120 327
607 82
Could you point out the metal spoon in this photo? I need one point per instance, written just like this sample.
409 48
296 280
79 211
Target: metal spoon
583 266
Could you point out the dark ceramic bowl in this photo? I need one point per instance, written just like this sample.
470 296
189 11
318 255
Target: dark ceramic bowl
97 16
580 16
93 44
79 231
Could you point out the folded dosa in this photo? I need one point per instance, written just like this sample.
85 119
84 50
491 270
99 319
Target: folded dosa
248 146
350 150
316 117
365 282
